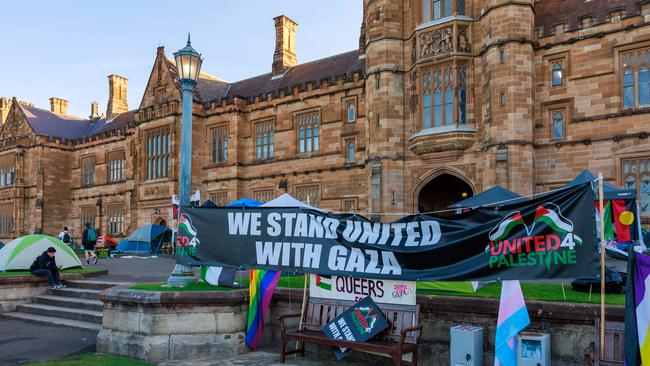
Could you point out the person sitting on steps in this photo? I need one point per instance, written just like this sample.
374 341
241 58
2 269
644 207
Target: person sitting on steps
88 240
45 265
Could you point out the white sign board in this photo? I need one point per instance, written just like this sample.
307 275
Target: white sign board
355 289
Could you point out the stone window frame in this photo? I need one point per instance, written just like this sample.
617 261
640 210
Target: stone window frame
566 105
220 197
88 165
346 141
218 133
119 167
458 81
350 205
300 193
115 219
264 129
619 68
636 157
636 61
7 170
7 218
301 148
548 61
553 113
458 7
157 153
263 194
346 103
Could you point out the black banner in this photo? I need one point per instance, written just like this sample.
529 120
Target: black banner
551 236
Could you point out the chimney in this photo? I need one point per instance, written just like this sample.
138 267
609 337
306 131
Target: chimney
4 109
116 96
285 45
58 106
94 110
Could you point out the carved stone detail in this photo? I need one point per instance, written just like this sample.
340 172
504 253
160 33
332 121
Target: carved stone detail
436 42
468 169
463 42
447 141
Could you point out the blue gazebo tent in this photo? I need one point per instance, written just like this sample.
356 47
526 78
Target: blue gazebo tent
209 204
610 191
146 240
244 202
495 196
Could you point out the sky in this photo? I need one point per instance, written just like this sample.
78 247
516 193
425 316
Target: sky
66 48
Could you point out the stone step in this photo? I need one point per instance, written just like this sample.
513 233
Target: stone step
50 320
92 284
69 302
79 293
62 312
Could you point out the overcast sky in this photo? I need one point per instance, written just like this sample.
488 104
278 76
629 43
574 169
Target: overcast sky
66 48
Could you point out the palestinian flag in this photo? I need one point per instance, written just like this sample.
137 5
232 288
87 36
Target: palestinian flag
607 218
550 214
324 282
506 226
185 226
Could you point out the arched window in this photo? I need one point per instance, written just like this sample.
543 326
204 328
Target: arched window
351 112
449 98
426 100
628 88
350 152
644 86
557 74
557 125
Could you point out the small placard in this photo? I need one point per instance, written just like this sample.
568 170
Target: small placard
359 323
355 289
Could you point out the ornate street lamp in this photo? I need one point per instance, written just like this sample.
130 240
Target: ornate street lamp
188 63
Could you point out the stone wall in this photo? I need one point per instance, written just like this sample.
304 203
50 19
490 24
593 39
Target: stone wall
158 326
200 325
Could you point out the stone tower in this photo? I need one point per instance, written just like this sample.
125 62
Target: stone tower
505 82
284 56
384 53
4 109
59 106
117 102
94 110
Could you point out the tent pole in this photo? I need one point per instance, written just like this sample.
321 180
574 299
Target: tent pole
602 266
306 277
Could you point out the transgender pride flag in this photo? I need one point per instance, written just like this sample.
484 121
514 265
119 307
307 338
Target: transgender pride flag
637 310
513 318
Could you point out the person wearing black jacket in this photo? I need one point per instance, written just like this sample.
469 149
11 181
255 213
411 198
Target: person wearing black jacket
45 265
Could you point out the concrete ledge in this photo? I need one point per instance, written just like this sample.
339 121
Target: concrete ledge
64 277
121 294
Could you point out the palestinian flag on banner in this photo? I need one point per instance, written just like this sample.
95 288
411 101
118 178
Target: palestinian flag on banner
324 282
506 226
547 214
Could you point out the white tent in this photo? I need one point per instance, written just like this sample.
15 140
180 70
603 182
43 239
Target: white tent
20 253
286 200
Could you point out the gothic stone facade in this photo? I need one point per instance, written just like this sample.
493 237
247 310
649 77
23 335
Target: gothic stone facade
443 98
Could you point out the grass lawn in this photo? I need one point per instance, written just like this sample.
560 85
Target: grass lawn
95 359
542 292
81 271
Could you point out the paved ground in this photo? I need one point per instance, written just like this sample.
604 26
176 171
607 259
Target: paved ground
27 342
136 269
270 358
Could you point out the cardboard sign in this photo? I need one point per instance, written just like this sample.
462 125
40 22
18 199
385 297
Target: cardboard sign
356 289
359 323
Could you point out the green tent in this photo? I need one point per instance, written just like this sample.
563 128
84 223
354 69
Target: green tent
21 252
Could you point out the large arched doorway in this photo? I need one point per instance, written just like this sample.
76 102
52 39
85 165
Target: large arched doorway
441 192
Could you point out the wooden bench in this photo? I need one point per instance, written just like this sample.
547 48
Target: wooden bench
400 338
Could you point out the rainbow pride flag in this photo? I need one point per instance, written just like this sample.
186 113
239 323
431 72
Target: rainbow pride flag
262 285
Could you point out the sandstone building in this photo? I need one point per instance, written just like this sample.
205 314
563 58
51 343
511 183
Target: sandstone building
443 98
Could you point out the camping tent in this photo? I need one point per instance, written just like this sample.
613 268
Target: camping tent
496 195
286 200
21 252
145 240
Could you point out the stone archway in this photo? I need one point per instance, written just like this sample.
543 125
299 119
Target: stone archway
160 221
441 191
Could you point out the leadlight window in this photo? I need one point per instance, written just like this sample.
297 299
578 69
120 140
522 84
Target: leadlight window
6 219
636 175
310 194
635 78
557 74
115 220
350 152
7 170
88 171
438 9
444 96
219 144
158 153
116 163
308 132
352 113
264 195
219 198
557 124
264 140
